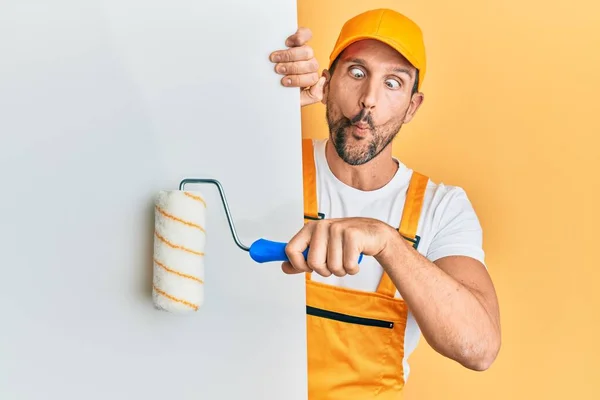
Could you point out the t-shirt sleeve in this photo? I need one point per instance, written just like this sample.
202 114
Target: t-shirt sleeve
458 231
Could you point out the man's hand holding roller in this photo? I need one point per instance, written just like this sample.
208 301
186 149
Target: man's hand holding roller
336 244
299 67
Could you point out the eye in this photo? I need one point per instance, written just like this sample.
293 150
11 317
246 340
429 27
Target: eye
392 83
357 73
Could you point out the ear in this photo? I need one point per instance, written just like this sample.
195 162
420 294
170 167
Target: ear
327 76
415 102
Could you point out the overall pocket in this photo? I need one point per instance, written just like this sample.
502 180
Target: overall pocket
353 356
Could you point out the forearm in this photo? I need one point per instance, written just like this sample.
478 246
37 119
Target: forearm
452 317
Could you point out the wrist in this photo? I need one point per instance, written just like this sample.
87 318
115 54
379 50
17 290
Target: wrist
394 247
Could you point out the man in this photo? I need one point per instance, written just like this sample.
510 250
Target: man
423 269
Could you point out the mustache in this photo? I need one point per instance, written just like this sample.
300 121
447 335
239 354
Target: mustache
363 116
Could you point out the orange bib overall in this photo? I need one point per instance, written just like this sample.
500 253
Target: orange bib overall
355 338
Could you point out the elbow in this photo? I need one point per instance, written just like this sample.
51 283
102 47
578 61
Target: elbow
480 363
480 357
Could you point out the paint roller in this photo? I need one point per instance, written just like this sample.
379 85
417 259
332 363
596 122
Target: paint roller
179 244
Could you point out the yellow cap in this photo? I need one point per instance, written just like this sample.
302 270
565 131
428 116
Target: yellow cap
389 27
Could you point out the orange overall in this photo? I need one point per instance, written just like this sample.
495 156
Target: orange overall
356 338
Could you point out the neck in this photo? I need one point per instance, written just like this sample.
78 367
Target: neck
370 176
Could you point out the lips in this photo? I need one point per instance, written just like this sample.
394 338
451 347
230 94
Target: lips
360 131
362 125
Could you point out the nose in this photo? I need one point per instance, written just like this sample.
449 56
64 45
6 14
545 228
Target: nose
368 98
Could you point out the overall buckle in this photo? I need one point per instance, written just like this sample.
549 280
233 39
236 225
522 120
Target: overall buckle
318 217
414 241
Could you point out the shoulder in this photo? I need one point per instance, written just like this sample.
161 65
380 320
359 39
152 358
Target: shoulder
313 150
439 196
452 222
447 199
312 146
312 143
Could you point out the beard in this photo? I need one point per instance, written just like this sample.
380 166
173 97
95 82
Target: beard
380 137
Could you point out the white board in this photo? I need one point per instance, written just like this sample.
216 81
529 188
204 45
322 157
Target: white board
102 105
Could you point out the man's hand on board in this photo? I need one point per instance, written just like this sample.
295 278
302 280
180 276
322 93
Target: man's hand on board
299 67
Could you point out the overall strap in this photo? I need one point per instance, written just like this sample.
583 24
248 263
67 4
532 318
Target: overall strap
309 177
409 223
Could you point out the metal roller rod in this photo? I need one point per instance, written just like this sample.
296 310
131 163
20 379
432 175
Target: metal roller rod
225 204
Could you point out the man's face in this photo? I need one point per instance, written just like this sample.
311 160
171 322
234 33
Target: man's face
368 99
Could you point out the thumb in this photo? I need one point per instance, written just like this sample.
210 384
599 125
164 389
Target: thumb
313 94
289 269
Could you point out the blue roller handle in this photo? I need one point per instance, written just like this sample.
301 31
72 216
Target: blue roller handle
264 250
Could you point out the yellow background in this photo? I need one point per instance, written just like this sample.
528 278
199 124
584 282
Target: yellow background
512 103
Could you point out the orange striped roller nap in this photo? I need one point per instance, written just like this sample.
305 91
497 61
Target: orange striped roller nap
179 240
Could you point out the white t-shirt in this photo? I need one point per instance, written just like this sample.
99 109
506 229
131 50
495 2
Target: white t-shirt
448 225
